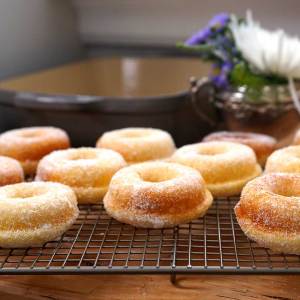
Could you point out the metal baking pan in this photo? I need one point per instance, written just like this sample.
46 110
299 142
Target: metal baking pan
93 96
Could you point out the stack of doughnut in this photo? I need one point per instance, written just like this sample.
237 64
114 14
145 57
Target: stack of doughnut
144 181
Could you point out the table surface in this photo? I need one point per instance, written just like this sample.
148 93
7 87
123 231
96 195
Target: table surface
281 287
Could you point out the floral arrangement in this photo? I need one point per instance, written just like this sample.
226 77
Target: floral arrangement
245 54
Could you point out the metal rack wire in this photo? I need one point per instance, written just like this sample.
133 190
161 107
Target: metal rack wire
98 244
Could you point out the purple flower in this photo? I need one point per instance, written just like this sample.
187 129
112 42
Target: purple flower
220 20
198 37
217 23
221 79
226 67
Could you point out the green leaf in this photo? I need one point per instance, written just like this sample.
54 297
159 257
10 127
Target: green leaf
241 75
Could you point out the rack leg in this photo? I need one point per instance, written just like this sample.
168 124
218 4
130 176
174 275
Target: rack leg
173 278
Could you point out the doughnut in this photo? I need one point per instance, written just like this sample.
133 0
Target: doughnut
138 144
10 171
33 213
226 167
87 170
285 160
29 145
269 211
157 195
263 145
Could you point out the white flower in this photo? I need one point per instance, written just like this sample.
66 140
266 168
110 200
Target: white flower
270 52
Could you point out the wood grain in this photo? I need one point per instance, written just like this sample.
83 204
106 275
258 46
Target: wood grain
116 287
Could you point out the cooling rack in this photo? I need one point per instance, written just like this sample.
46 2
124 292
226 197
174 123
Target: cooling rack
97 243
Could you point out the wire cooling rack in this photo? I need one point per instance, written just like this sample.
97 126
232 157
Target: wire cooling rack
98 244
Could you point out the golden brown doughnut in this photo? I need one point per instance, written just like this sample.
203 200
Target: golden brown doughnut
33 213
87 170
226 167
10 171
263 145
269 211
286 160
138 144
29 145
157 195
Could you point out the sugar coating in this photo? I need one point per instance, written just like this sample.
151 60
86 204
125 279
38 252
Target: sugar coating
138 144
29 145
10 171
284 160
269 211
87 170
263 145
35 212
157 195
225 166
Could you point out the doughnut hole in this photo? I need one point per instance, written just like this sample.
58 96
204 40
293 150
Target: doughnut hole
283 186
158 175
30 134
82 155
209 150
134 134
25 193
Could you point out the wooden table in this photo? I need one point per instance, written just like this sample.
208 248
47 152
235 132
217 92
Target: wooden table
280 287
149 287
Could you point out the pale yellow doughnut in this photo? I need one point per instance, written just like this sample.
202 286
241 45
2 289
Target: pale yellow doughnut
156 195
285 160
269 211
87 170
138 144
226 167
33 213
263 145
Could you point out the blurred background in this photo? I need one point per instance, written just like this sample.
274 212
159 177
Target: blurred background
36 34
70 62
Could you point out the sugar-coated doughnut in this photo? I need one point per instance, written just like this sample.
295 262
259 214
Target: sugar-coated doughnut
226 167
157 195
29 145
269 211
33 213
10 171
138 144
286 160
263 145
87 170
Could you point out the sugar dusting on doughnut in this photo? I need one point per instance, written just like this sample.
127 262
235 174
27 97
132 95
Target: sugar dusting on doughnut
157 195
29 145
33 213
87 170
226 167
138 144
263 145
269 211
284 160
10 171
